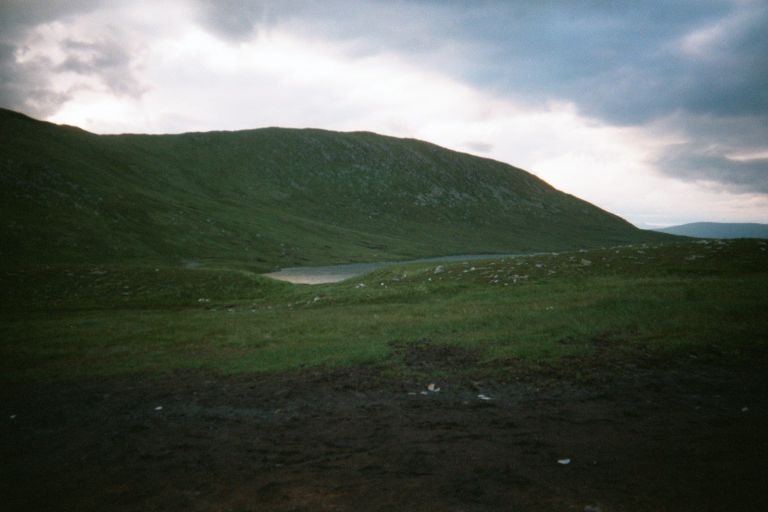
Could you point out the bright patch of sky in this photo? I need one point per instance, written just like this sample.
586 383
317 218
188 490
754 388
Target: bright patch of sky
662 124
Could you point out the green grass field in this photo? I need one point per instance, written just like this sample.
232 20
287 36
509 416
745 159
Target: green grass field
564 310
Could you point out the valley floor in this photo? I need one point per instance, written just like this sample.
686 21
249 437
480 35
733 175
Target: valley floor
658 435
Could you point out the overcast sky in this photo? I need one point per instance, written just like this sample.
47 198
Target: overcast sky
654 110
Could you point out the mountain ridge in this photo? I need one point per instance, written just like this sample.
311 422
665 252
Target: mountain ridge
274 197
718 230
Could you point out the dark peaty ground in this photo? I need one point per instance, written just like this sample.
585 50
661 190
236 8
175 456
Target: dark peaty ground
672 436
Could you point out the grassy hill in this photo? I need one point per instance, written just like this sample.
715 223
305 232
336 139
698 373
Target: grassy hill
272 197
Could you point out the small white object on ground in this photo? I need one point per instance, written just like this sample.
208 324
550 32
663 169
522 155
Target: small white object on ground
433 388
13 416
159 408
484 397
564 462
745 409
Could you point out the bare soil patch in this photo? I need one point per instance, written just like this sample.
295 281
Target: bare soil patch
672 436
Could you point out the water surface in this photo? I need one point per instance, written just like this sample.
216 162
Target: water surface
336 273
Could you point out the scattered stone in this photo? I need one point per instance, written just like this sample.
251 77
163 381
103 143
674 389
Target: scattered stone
564 462
439 269
484 397
360 285
159 408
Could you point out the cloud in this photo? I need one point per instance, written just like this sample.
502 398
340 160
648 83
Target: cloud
105 57
478 147
234 19
728 150
26 88
692 162
49 50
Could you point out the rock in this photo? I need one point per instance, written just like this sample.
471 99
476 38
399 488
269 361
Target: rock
564 462
439 269
585 263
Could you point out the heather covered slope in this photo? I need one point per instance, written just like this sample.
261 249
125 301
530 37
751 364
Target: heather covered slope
272 197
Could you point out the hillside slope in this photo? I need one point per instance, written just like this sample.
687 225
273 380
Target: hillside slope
272 197
719 230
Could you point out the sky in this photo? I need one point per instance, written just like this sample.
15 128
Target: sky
656 110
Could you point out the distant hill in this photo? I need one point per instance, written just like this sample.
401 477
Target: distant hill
719 230
272 197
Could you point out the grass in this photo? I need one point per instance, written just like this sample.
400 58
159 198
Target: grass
70 321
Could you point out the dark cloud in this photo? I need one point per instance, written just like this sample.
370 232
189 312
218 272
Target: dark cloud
718 149
694 163
26 88
619 61
234 19
25 84
108 59
17 15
